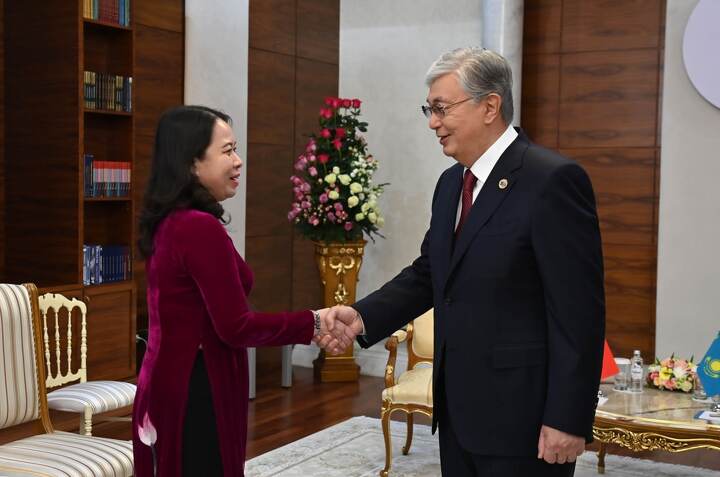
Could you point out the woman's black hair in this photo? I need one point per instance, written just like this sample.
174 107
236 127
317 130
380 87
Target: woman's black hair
183 135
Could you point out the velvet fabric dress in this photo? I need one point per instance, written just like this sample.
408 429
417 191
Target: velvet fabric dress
197 288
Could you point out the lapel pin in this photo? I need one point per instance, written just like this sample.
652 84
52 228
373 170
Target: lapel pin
503 183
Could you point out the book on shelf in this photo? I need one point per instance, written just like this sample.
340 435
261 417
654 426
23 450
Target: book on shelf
107 92
111 11
106 264
106 178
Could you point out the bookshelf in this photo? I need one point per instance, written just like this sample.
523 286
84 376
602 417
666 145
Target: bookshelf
49 130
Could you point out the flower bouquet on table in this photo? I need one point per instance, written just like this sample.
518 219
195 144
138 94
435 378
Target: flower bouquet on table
334 199
673 374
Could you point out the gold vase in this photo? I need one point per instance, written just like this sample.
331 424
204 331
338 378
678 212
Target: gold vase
339 265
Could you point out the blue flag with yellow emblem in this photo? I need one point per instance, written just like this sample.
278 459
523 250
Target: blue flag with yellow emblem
709 368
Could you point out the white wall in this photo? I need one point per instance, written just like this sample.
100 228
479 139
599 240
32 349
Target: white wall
216 75
688 286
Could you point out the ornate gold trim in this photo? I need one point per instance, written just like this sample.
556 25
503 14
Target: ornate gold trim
645 441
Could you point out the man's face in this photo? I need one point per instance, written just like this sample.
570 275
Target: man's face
463 130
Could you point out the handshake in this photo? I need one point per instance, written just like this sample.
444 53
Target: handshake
339 326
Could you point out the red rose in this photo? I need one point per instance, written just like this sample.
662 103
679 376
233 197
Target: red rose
326 113
356 103
336 103
340 132
337 143
323 158
346 103
329 100
325 133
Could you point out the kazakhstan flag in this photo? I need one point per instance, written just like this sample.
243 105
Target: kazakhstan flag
709 368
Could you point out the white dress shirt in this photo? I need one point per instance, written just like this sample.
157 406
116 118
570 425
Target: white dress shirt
485 163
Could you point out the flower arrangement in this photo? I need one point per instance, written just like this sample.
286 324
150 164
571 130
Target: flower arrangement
673 374
333 196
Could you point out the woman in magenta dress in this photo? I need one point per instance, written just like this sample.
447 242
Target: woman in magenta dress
193 385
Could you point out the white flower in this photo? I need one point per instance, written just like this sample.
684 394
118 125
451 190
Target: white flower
679 372
333 194
330 178
355 188
372 217
365 207
359 217
380 221
336 170
147 432
372 202
353 201
344 179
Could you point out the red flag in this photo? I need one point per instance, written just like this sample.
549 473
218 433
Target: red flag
609 368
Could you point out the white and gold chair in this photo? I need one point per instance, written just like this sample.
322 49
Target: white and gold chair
39 450
412 392
88 398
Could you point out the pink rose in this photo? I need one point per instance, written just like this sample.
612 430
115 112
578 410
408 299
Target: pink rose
331 217
323 198
299 195
311 158
348 226
312 171
305 204
323 158
356 103
314 221
305 187
296 180
338 206
325 133
340 132
337 144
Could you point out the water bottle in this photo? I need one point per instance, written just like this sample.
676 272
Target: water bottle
636 372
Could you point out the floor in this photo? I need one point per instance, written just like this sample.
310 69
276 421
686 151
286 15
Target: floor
279 416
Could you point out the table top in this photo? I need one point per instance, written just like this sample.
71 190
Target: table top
654 407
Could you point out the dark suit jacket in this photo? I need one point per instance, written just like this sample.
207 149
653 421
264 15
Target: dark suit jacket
519 302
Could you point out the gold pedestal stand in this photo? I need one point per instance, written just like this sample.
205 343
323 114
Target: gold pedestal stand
339 265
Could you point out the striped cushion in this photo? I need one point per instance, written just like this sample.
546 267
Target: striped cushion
63 454
19 400
101 396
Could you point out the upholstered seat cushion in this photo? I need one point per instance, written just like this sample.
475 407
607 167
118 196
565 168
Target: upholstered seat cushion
413 387
101 396
67 455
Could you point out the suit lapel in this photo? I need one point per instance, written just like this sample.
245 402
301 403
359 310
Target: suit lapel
490 197
446 223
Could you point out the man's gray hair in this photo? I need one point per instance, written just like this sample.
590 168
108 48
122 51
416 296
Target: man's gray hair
480 72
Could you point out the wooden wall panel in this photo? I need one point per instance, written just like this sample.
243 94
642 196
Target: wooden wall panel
160 14
609 99
597 25
293 65
541 33
318 30
591 88
540 98
271 98
624 183
159 85
273 26
269 200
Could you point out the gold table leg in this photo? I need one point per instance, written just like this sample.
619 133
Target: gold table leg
601 458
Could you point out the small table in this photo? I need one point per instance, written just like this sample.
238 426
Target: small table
652 420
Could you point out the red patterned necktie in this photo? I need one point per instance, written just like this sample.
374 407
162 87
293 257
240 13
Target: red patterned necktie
469 181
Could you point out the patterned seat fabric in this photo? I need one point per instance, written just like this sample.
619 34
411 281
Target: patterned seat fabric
67 455
101 396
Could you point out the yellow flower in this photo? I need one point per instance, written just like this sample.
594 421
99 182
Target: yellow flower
359 217
344 179
355 188
372 217
330 178
333 194
353 201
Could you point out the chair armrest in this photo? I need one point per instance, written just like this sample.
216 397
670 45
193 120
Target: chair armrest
391 345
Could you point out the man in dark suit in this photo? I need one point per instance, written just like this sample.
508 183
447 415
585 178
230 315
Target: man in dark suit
512 264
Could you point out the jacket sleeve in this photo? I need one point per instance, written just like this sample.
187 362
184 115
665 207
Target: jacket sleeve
567 246
209 257
400 300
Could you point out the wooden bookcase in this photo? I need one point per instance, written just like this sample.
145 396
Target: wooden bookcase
48 47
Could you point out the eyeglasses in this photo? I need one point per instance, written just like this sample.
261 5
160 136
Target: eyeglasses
438 110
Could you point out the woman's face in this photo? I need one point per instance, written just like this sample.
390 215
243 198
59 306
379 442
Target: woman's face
219 168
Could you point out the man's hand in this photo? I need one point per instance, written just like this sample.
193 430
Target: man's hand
333 337
347 316
558 447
